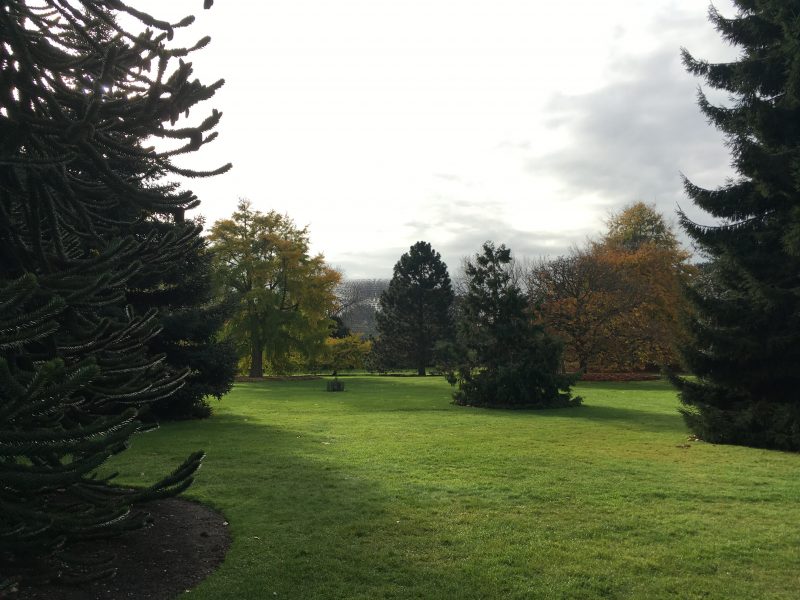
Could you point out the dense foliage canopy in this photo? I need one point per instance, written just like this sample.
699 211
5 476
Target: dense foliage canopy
617 304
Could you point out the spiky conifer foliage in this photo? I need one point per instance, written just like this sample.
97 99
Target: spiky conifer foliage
78 95
190 315
505 359
745 345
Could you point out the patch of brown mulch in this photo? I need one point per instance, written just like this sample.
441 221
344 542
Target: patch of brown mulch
186 543
620 376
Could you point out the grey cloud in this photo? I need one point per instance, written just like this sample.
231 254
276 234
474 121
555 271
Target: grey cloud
457 229
466 226
631 140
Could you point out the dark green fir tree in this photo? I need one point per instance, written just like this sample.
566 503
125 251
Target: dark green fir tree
415 311
745 334
190 316
506 358
78 96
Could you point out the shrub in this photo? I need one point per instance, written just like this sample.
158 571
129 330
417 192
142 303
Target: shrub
334 385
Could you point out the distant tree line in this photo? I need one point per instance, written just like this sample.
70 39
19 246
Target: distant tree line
615 304
357 305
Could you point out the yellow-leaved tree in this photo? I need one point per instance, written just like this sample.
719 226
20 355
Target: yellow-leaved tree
282 296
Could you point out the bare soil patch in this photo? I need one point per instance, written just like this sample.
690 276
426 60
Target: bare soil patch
186 543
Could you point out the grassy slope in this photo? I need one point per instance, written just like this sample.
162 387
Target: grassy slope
388 491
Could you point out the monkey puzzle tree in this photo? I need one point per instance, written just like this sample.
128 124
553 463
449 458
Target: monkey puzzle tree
415 311
745 336
78 96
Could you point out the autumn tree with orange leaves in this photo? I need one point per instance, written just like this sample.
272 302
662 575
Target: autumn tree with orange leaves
645 251
580 298
617 303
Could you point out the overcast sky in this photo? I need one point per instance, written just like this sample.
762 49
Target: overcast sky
379 123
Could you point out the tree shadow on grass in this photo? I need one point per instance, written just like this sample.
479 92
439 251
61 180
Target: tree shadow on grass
650 385
625 417
304 524
622 416
629 417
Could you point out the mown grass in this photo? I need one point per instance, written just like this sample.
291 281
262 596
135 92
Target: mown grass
389 491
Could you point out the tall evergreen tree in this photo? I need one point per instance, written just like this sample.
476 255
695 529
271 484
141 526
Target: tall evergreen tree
415 311
78 96
190 317
507 359
745 346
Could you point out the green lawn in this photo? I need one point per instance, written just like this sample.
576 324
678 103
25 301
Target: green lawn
389 491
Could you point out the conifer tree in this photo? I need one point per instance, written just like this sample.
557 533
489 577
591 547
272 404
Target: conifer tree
415 311
190 316
78 96
745 346
506 359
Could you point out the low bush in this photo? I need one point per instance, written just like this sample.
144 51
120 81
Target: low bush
334 385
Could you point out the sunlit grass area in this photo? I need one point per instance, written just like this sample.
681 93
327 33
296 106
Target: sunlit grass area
389 491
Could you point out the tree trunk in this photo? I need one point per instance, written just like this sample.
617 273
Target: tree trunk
256 361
